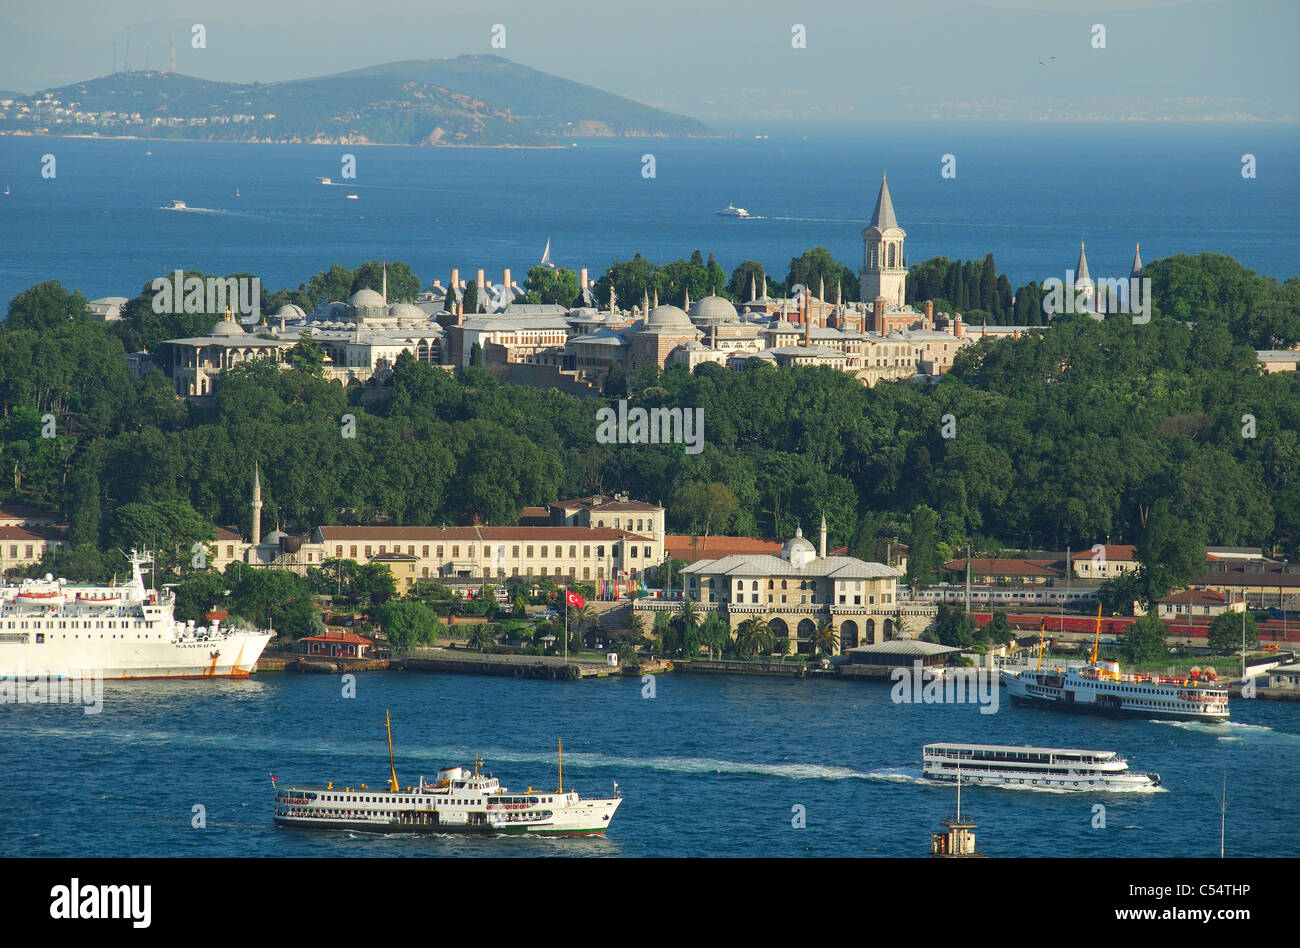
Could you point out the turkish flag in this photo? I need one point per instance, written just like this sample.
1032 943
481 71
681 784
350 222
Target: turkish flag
573 599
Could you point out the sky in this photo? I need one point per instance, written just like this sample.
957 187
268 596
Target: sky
718 60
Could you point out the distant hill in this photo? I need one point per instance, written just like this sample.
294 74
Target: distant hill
468 100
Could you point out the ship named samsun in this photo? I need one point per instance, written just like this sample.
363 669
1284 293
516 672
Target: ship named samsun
56 629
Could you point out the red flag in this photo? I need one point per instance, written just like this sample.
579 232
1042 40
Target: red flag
573 599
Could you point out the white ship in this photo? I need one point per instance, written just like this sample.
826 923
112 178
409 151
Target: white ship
732 211
58 629
1060 768
1099 688
175 206
456 802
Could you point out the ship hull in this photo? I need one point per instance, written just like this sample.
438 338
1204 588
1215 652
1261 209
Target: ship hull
441 829
1108 710
118 660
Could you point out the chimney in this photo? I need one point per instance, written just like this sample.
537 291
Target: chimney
956 325
455 280
505 278
929 314
822 546
582 278
481 284
807 327
879 306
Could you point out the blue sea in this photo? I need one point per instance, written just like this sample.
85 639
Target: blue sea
1026 193
710 766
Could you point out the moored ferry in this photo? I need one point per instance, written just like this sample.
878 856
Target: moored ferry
1099 688
1061 768
456 802
49 627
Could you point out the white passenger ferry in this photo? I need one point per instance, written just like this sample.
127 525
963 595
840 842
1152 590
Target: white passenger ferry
1061 768
50 627
1099 688
456 802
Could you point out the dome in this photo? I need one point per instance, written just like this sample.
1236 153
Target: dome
797 545
290 311
667 317
227 327
275 536
714 308
366 297
406 311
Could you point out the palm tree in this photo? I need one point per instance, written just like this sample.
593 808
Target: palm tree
578 616
752 636
687 620
825 638
482 637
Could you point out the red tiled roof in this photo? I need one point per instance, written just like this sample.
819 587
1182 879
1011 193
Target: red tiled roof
1208 596
347 638
34 533
229 533
1113 551
691 549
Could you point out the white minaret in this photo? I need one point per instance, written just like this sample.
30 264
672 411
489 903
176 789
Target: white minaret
1083 285
883 273
257 505
821 549
385 282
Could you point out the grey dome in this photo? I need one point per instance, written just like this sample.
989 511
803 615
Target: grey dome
797 542
714 308
227 327
366 297
668 316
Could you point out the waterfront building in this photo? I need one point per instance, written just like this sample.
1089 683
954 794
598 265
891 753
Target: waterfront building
609 537
794 590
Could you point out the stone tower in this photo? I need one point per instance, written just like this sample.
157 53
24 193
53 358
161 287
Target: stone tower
884 272
257 505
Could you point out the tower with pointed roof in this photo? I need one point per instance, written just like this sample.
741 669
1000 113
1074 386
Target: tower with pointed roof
884 272
1084 288
257 504
1135 273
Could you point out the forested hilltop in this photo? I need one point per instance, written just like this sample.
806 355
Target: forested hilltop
1166 436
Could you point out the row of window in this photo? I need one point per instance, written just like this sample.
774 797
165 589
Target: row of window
633 551
75 624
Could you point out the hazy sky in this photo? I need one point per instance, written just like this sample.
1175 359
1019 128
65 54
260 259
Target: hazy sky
864 60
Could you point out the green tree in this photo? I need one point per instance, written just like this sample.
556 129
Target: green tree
1144 640
1225 632
408 624
546 285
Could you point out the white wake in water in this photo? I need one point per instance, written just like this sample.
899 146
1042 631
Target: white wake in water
1233 730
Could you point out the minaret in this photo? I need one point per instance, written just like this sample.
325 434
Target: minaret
385 283
883 272
1135 273
687 305
257 505
656 303
764 284
752 297
645 304
821 548
1083 285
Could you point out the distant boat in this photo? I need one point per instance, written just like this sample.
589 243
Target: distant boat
324 180
353 197
236 192
175 206
6 190
148 153
546 256
732 211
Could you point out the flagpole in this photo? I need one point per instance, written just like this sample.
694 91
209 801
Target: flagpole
566 625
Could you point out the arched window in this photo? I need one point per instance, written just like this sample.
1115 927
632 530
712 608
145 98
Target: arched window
891 255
